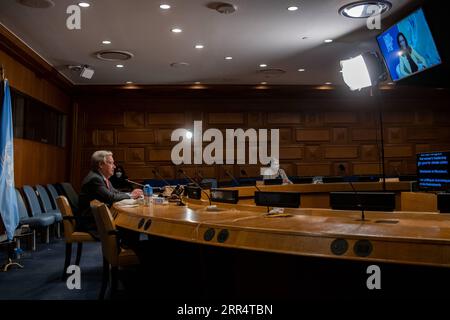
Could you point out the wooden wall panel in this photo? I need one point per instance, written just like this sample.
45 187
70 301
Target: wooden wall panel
38 163
35 162
312 141
305 135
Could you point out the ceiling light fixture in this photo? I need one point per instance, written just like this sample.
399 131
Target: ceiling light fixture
119 65
84 4
199 46
106 42
165 6
129 82
364 9
263 65
228 58
292 8
176 30
328 40
264 82
328 83
301 70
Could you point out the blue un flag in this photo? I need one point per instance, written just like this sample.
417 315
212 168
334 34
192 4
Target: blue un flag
8 200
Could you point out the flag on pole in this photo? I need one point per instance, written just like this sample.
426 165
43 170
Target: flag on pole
8 200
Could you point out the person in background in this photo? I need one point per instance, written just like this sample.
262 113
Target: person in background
96 185
410 60
119 180
280 174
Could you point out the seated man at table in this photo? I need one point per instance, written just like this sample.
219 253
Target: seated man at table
97 186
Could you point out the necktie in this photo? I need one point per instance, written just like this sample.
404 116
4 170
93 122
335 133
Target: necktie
107 184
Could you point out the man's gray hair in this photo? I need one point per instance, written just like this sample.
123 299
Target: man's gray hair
99 157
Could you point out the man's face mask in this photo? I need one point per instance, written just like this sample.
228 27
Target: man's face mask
118 174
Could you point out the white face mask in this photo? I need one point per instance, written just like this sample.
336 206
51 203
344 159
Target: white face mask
118 174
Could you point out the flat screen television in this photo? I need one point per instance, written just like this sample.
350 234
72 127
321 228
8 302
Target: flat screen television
225 195
433 171
408 46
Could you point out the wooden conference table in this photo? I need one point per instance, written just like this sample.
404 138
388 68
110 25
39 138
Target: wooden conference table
398 237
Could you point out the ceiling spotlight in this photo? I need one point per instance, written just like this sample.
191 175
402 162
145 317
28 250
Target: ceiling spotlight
328 40
301 70
106 42
129 82
364 9
292 8
328 83
176 30
228 58
165 6
264 82
119 65
263 65
84 4
199 46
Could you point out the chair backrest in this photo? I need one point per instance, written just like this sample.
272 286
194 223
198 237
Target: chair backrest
71 194
66 211
33 200
23 212
44 198
107 231
53 193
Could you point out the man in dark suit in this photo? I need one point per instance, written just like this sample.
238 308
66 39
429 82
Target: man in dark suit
96 185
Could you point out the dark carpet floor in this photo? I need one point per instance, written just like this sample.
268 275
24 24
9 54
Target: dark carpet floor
40 279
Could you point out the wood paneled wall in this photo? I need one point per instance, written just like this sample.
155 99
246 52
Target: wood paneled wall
34 162
318 131
38 163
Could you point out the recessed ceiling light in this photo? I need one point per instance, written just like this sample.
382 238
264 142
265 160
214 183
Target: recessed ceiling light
165 6
301 70
264 82
328 40
292 8
119 65
263 65
199 46
129 82
106 42
84 4
228 58
176 30
328 83
364 9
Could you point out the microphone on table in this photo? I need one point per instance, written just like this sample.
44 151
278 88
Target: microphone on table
359 204
133 182
181 171
244 173
228 173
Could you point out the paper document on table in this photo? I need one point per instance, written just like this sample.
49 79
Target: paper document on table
128 203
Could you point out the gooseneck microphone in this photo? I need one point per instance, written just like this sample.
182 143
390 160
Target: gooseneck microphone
359 204
244 173
228 173
180 171
133 182
156 173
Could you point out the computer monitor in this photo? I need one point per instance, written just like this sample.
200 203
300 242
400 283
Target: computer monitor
408 46
273 181
433 171
225 195
193 192
370 201
443 200
332 179
277 199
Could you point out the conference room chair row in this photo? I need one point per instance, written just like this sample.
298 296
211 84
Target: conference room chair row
38 210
